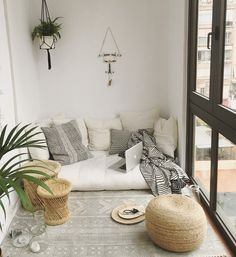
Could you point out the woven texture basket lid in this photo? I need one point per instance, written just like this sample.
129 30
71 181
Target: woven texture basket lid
175 209
47 166
60 187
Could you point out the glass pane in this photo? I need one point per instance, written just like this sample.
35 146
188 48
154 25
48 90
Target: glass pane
203 54
202 154
226 184
229 84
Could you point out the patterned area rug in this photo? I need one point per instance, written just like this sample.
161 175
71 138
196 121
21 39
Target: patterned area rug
91 232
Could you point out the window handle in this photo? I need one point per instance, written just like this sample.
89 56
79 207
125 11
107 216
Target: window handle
209 36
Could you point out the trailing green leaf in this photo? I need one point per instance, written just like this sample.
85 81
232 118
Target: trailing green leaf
12 173
47 28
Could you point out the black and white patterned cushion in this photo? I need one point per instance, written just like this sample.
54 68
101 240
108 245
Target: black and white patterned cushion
119 141
65 143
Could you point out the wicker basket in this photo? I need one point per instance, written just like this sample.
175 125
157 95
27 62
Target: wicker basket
49 167
176 223
56 204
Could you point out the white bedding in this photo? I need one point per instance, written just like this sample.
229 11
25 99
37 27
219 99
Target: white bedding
95 174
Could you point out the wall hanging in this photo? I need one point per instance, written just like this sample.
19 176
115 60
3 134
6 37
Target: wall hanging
48 31
109 52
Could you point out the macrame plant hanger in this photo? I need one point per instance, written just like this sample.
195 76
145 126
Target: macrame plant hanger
48 42
109 57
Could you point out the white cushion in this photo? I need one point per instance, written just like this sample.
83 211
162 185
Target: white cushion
38 153
99 132
133 121
80 123
103 123
44 122
166 134
95 174
99 139
86 175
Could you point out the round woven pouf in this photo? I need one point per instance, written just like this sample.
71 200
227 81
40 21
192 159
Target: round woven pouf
175 222
56 204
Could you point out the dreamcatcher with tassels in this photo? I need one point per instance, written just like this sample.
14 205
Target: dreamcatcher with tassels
48 31
110 53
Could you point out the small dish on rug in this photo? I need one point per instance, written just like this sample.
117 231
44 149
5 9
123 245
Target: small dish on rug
128 214
131 211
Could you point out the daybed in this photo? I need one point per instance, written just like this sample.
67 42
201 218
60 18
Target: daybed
95 173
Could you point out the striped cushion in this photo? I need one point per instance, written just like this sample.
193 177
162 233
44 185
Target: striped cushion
65 143
119 141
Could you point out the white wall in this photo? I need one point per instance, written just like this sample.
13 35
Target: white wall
152 36
24 63
76 84
18 77
177 68
7 110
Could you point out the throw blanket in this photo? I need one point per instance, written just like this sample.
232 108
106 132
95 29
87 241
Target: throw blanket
161 173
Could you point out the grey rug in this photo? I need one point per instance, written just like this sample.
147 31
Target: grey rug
91 232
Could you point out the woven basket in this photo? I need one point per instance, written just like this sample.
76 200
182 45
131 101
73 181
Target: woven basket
56 204
49 167
176 223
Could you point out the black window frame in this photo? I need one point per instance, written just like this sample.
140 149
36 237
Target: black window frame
221 119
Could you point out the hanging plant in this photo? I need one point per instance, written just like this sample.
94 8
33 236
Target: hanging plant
48 31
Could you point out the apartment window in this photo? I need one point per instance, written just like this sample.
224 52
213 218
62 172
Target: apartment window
202 40
228 55
228 38
211 139
204 56
206 1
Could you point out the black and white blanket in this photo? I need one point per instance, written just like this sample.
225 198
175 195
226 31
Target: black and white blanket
161 173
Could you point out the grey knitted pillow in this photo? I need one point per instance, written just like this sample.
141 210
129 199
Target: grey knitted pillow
65 143
119 141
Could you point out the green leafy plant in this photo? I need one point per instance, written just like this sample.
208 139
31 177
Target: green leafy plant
47 28
12 173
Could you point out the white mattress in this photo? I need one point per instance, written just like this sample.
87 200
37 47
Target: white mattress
95 174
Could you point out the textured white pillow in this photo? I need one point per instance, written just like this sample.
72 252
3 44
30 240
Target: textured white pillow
38 153
80 123
114 123
102 128
44 122
166 134
133 121
99 139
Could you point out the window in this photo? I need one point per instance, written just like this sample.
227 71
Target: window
211 139
202 40
228 55
228 38
202 154
204 56
226 188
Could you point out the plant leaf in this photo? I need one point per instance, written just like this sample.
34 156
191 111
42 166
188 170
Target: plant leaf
10 135
3 135
37 172
22 195
37 182
12 159
4 187
4 210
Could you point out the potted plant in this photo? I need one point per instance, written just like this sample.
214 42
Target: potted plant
48 31
12 173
